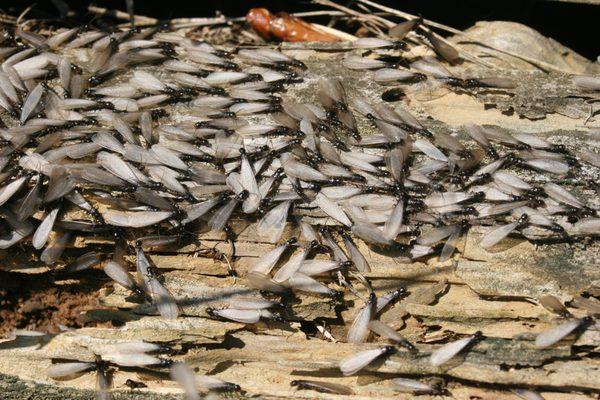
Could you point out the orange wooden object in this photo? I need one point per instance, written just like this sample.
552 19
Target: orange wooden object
285 27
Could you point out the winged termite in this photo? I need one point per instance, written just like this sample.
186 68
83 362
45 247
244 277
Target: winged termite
268 58
586 226
84 261
40 237
244 316
360 161
121 169
358 259
538 218
160 241
220 218
392 133
20 55
587 82
167 178
356 62
124 91
248 108
252 96
384 330
293 265
226 146
332 94
34 162
436 234
332 209
146 82
502 83
323 387
7 191
195 211
187 150
160 295
262 281
316 267
341 192
272 80
449 246
219 78
590 157
97 176
123 129
371 234
553 335
561 195
384 300
203 57
371 43
504 179
84 38
271 226
437 200
252 303
402 29
213 383
266 263
78 85
359 330
75 151
546 165
387 76
69 369
429 149
590 304
487 210
442 47
59 38
135 219
551 303
354 363
29 204
331 244
59 185
430 66
448 351
133 359
417 387
304 283
248 183
496 235
373 201
450 143
167 157
117 273
8 88
5 103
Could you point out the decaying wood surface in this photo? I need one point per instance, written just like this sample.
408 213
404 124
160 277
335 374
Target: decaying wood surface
492 292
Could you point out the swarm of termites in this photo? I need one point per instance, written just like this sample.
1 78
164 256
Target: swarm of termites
87 128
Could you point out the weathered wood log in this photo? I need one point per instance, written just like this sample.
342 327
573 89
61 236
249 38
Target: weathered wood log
495 293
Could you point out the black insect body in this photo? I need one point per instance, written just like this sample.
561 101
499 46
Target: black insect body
131 384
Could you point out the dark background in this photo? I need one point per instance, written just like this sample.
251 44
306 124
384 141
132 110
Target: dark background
574 25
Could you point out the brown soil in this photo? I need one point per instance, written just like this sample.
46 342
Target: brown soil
42 302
